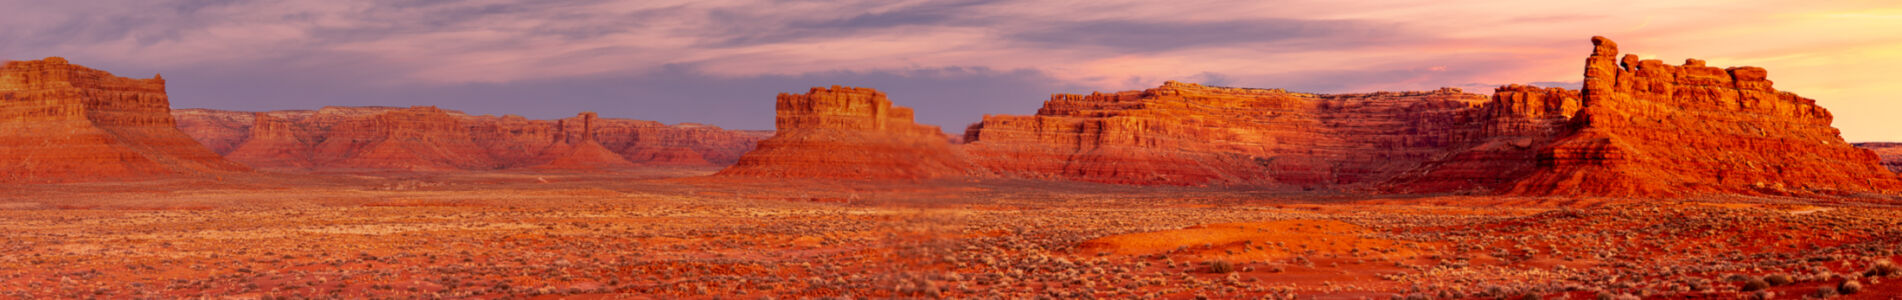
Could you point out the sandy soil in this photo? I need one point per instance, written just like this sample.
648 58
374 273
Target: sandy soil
665 234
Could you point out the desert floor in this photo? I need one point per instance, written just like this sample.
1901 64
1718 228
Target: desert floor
666 234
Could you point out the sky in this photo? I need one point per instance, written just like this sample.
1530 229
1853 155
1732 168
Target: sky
721 62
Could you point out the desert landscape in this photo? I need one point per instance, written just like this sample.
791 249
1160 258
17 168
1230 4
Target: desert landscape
512 235
1653 181
629 150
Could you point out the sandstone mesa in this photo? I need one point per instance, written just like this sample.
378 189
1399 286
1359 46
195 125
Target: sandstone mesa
432 139
1648 128
849 132
63 122
1638 128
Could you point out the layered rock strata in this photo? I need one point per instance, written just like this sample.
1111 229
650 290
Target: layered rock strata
423 138
1646 128
1189 134
1891 154
1637 128
1500 145
61 122
433 139
852 133
574 147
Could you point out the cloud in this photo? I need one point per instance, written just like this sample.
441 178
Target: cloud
959 13
1145 36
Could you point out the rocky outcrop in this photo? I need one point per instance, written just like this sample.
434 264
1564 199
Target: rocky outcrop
423 138
1189 134
1645 128
851 133
61 122
644 142
1638 128
1891 154
574 147
272 143
433 139
1499 146
514 141
218 130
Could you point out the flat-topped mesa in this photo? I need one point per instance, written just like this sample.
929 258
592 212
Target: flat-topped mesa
639 141
450 140
61 122
848 108
1651 129
852 133
1190 134
513 141
272 143
420 138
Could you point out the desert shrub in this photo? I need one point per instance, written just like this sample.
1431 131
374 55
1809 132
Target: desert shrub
1849 287
1883 268
1220 267
1697 284
1605 295
1825 292
1755 284
1763 295
1778 279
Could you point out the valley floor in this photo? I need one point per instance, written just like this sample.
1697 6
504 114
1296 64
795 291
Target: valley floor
670 235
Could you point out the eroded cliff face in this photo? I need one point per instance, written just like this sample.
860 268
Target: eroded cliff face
685 144
219 131
1638 128
1189 134
61 122
848 132
1499 146
1646 128
574 147
433 139
421 138
271 142
1891 154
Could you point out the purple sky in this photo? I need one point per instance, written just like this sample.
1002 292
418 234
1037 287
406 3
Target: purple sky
721 62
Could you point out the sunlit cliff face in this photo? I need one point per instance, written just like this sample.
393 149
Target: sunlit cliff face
649 59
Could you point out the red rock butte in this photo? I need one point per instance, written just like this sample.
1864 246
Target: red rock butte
427 138
61 122
1648 128
574 147
849 132
1639 128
